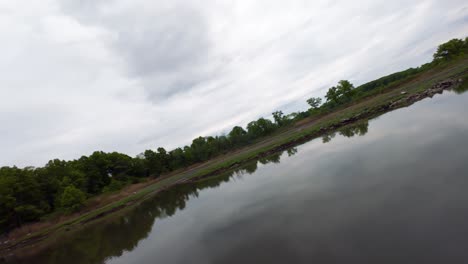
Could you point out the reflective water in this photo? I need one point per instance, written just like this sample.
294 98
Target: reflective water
394 190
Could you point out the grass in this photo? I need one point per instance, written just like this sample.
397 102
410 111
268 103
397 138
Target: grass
301 131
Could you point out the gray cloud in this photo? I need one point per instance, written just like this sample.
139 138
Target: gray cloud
168 49
126 75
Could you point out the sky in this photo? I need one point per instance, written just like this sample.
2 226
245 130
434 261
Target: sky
130 75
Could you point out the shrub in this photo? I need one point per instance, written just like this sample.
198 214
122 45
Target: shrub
72 199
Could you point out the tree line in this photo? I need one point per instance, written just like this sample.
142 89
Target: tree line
29 194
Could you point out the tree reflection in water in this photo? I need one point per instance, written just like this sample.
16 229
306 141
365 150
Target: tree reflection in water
357 129
112 237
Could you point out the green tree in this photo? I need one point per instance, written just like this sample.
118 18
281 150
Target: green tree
237 136
177 159
344 88
21 198
260 128
200 150
332 95
72 199
280 118
152 163
450 49
314 102
340 94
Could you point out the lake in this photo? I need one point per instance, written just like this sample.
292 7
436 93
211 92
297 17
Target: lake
393 190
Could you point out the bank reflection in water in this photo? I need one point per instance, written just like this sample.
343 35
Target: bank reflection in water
395 195
357 129
94 246
113 237
463 87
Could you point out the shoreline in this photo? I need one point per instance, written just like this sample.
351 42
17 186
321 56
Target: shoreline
397 97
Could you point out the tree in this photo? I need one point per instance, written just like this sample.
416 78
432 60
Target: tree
332 95
450 49
72 199
223 143
280 118
119 166
177 159
314 102
153 163
341 93
199 148
237 136
21 198
259 128
344 88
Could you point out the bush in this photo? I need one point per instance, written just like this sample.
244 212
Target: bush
72 199
114 185
28 212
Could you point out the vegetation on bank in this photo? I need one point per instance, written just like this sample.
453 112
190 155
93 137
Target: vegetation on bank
29 194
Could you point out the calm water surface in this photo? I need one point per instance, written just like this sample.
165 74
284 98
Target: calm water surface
394 190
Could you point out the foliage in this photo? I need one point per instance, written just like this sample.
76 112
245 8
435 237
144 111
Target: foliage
260 128
72 199
341 93
281 119
451 49
238 136
386 80
314 102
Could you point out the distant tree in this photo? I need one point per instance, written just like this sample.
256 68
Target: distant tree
138 168
223 143
392 78
153 163
314 102
97 168
72 199
177 158
332 95
188 155
163 158
450 49
259 128
280 118
341 93
200 149
237 136
119 166
344 88
212 146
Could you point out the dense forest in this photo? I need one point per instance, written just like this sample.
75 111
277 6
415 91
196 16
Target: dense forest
29 194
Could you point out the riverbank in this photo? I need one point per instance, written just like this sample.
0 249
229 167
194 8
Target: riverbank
422 86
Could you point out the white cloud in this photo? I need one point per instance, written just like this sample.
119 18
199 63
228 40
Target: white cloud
126 75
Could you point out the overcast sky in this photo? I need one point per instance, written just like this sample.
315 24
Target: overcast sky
129 75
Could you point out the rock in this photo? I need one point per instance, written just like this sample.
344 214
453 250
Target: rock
403 92
445 84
